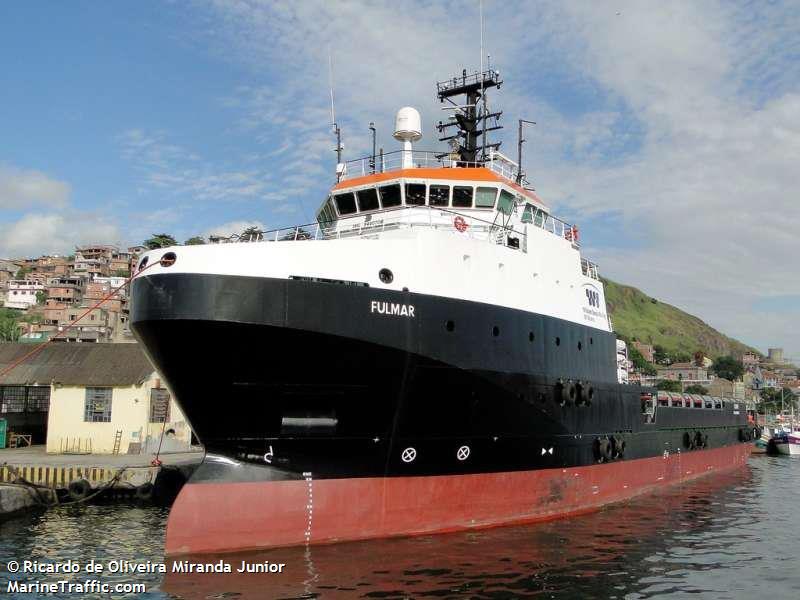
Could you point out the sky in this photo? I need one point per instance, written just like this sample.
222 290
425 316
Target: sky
668 131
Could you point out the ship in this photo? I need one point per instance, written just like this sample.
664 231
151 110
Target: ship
432 354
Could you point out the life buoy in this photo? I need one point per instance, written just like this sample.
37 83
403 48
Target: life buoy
460 224
79 489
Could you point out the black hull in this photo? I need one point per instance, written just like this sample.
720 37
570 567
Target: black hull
301 376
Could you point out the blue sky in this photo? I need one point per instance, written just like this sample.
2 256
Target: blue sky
668 131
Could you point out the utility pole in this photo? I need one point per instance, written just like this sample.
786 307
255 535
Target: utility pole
519 149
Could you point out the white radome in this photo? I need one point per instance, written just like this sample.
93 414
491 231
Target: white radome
408 125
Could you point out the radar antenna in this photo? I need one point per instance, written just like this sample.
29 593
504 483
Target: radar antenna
471 121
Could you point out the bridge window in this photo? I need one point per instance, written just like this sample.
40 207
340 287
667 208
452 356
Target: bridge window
367 199
439 195
327 215
345 203
462 196
506 202
390 195
527 214
485 197
415 194
539 218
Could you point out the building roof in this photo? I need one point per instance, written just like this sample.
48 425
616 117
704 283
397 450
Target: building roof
76 364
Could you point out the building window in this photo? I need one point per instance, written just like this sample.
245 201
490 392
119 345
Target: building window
13 399
98 405
159 405
39 399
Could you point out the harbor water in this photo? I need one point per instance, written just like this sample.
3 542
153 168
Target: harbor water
730 535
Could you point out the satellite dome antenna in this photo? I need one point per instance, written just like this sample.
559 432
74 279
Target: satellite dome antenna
407 129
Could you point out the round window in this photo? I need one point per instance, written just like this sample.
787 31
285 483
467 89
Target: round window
168 259
386 276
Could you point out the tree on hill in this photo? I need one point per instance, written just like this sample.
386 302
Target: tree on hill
728 368
639 361
121 273
252 234
696 389
41 297
9 328
160 240
668 385
195 241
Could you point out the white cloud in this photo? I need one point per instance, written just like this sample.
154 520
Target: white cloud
21 189
687 128
170 167
35 234
234 227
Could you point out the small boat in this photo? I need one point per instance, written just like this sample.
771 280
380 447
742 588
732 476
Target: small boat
787 441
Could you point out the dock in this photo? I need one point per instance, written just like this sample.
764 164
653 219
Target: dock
76 477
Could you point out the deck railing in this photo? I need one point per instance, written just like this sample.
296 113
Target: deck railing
422 159
409 217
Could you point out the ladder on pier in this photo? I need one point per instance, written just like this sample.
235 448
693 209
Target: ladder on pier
117 441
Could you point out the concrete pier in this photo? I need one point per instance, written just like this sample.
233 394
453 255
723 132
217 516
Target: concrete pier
57 471
16 498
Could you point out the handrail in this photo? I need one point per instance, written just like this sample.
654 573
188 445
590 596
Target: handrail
396 160
301 232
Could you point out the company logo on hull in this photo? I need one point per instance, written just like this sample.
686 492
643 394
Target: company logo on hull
391 308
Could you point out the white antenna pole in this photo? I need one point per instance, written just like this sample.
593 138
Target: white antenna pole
330 84
483 93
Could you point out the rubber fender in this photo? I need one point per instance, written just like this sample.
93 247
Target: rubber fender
568 393
79 489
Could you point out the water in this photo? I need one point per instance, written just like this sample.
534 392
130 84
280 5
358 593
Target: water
729 536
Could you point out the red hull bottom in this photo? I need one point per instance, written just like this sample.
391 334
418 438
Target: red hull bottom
227 517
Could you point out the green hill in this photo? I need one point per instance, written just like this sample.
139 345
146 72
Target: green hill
637 315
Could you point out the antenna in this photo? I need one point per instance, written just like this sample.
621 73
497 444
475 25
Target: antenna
372 158
336 130
520 174
483 95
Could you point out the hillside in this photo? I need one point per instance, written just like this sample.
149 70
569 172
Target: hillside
636 315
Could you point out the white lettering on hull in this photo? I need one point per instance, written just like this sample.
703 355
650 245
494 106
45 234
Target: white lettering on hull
391 308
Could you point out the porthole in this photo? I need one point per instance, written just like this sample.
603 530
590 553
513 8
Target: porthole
143 262
386 276
580 346
450 326
558 341
495 331
168 259
531 337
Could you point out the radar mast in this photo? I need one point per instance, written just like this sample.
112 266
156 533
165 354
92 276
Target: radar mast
470 118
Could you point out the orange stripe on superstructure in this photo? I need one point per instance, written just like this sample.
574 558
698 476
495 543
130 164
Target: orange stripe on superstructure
461 174
448 173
